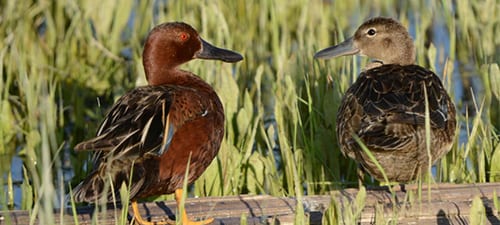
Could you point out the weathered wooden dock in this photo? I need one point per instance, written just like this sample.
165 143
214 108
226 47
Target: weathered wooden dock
448 204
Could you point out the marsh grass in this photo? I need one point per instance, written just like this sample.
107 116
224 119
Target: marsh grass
63 63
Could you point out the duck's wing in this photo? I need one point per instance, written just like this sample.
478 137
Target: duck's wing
134 124
136 129
387 105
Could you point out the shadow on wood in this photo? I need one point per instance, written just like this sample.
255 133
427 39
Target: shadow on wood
449 204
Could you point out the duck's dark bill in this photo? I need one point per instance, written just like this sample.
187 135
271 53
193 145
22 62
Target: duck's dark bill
344 48
209 51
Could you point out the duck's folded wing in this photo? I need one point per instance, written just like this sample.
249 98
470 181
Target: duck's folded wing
134 124
136 129
394 102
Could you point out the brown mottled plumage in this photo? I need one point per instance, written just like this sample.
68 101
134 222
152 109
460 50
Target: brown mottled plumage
157 129
385 107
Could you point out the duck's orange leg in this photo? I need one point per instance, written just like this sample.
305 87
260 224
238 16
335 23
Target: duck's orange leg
185 220
138 218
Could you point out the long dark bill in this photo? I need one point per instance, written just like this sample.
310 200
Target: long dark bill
344 48
208 51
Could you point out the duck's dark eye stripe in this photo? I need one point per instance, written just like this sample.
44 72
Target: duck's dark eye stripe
371 32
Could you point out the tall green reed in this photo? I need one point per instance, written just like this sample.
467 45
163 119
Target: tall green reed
63 63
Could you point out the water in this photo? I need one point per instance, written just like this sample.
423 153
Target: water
16 171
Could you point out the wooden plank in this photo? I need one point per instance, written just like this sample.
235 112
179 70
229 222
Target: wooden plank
449 204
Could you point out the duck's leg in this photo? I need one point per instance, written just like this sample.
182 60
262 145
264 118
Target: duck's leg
185 220
138 218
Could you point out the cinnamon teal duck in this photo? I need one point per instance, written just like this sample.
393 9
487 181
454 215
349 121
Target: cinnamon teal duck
153 132
385 107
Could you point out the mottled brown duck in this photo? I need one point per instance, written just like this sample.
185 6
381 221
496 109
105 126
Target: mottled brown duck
153 134
385 107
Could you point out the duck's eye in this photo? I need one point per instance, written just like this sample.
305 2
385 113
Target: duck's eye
183 36
371 32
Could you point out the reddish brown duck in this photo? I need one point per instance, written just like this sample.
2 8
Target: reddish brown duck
385 107
157 129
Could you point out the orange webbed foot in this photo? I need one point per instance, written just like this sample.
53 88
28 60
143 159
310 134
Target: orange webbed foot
139 220
185 220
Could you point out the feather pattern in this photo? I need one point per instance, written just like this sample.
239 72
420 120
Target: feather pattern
136 132
385 108
153 135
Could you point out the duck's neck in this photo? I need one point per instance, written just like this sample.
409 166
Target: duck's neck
403 54
405 57
177 77
159 76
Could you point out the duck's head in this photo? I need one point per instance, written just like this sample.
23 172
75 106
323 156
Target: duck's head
382 39
169 45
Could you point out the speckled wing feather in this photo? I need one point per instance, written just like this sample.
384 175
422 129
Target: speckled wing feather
386 106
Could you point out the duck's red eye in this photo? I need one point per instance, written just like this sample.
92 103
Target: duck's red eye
183 36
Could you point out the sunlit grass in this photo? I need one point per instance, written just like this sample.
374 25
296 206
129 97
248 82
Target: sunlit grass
63 63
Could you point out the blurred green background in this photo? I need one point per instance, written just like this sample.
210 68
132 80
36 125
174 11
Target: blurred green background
64 63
